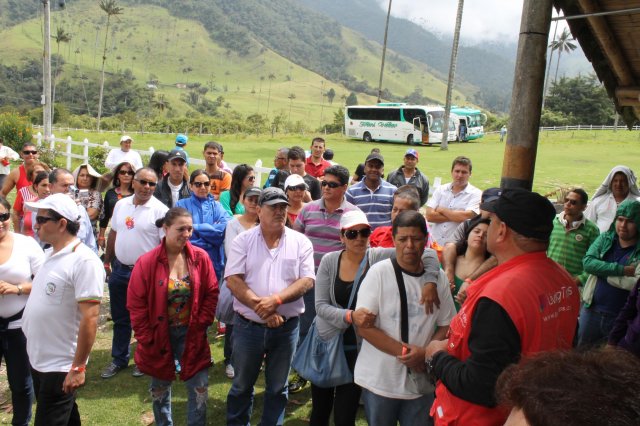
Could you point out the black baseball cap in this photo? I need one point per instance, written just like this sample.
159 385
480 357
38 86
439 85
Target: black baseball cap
491 194
272 195
177 154
252 192
374 156
527 213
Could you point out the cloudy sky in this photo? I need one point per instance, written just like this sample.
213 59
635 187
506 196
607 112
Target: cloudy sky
482 20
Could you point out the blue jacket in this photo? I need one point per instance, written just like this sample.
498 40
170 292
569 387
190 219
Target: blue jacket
209 223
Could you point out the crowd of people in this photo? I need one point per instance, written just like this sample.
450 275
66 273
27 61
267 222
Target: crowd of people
453 307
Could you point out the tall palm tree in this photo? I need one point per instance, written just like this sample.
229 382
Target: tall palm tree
546 76
271 77
291 97
384 51
111 8
61 37
444 146
564 43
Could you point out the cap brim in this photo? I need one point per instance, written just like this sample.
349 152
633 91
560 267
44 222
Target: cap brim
34 206
491 198
274 202
489 206
177 157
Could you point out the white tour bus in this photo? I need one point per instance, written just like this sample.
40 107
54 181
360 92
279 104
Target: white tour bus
398 122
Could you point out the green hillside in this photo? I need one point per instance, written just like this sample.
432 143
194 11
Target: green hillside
153 44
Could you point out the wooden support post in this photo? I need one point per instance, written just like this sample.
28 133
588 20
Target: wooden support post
526 99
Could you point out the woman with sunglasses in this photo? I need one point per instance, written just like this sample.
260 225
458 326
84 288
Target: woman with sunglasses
295 188
20 259
338 272
87 178
172 297
242 179
29 193
209 219
121 187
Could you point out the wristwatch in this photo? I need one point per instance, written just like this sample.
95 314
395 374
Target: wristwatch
19 289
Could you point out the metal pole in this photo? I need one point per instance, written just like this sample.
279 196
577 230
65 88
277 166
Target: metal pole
384 52
46 72
526 98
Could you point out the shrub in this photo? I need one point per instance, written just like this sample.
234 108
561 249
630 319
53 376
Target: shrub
15 129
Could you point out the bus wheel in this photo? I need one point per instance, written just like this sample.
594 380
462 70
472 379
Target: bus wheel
410 140
366 137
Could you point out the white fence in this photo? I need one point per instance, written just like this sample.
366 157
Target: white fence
54 143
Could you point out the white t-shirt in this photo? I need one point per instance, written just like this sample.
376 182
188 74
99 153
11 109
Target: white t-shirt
378 371
175 191
136 228
5 151
25 261
52 317
466 200
117 156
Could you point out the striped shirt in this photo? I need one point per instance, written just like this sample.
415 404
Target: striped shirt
569 247
376 204
322 227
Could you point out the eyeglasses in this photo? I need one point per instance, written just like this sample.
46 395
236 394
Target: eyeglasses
5 216
126 172
297 188
352 234
251 178
201 184
146 182
572 202
28 152
280 158
41 220
332 185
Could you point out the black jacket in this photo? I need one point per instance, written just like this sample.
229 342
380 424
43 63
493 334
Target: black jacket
418 180
163 191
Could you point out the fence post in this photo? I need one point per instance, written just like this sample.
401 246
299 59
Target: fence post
39 138
68 151
85 150
257 168
52 142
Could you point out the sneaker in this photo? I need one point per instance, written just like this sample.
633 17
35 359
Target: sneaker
229 371
136 372
297 384
111 370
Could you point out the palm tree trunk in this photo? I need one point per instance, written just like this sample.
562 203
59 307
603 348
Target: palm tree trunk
104 60
546 79
555 77
444 146
384 51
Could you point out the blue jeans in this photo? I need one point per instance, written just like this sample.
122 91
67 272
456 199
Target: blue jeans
197 388
228 344
251 342
13 348
594 327
118 284
382 411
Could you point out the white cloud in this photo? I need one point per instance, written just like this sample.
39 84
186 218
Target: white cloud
482 20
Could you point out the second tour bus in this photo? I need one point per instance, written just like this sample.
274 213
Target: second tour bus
471 123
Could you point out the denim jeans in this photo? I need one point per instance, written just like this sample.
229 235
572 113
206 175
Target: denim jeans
13 348
118 284
197 388
54 407
251 343
594 327
228 345
382 411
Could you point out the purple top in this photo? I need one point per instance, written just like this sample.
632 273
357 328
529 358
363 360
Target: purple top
626 329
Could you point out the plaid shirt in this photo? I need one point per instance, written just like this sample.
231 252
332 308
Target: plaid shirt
569 247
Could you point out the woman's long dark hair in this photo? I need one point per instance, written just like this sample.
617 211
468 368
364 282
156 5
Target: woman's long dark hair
157 160
462 248
116 175
239 173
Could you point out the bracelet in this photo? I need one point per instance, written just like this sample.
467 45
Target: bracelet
100 238
349 317
278 299
19 289
79 368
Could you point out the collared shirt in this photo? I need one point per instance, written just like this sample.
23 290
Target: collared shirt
51 319
117 156
568 247
376 204
269 271
136 228
315 170
466 200
322 227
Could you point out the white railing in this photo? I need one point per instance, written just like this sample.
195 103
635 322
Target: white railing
85 144
585 127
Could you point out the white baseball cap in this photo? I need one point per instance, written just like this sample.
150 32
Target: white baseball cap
59 203
126 138
353 218
294 180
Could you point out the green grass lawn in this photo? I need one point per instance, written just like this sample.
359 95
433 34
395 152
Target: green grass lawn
574 158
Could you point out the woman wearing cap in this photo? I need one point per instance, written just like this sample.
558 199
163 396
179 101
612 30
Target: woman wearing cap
242 179
471 254
172 297
335 279
238 224
87 178
122 187
29 193
209 219
295 188
20 259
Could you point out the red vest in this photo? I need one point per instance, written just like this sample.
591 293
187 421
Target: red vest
542 301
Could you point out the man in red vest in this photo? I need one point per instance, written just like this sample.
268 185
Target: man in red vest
525 305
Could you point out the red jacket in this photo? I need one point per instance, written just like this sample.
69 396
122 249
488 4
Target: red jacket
147 304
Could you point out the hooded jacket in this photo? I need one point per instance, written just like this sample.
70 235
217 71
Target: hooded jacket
147 305
601 209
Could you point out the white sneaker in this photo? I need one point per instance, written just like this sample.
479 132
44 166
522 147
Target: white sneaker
229 371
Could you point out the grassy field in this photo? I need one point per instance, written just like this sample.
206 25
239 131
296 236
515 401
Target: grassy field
575 158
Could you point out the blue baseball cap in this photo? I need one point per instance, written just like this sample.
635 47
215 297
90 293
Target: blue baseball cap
181 139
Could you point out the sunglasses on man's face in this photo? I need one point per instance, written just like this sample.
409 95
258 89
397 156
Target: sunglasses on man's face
126 172
41 220
29 152
146 182
332 185
352 234
201 184
5 216
572 202
297 188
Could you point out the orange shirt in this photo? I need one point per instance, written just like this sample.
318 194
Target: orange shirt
220 181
